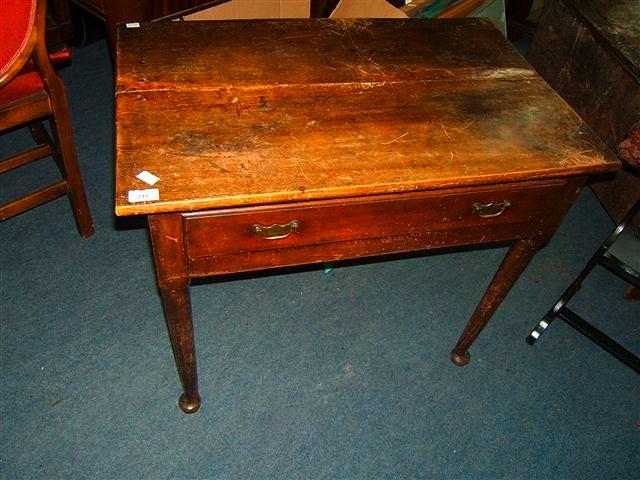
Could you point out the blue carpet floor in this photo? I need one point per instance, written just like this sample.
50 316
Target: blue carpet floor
303 374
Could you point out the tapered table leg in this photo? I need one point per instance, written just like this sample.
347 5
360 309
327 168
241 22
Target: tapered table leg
173 279
177 309
512 266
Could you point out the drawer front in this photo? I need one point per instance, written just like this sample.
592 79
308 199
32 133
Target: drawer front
224 232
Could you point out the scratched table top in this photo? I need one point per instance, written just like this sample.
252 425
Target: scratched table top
235 113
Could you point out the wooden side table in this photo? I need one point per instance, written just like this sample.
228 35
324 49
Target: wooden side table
279 143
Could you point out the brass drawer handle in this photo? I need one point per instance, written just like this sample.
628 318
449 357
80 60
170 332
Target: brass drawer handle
490 210
275 231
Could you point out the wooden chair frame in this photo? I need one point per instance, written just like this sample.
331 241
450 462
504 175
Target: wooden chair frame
32 110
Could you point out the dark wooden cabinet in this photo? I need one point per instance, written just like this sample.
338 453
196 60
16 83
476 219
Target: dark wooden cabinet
59 27
587 50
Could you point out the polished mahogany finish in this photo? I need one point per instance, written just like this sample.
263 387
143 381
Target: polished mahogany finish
291 142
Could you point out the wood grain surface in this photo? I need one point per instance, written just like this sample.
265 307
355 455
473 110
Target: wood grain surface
261 112
617 24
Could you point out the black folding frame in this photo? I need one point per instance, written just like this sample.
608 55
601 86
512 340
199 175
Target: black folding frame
607 259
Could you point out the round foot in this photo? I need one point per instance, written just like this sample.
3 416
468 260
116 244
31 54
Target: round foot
189 405
460 359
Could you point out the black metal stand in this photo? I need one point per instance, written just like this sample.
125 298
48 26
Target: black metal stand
626 268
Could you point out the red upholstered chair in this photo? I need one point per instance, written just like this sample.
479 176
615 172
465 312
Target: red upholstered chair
31 92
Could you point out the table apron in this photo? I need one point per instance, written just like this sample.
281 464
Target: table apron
361 248
246 239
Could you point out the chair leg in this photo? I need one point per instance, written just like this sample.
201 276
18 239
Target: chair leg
599 338
551 315
61 127
539 329
39 133
41 137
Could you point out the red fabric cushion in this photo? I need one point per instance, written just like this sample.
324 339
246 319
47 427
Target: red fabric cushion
21 86
16 22
29 81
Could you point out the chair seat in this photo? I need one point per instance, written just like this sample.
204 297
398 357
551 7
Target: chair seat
24 85
29 81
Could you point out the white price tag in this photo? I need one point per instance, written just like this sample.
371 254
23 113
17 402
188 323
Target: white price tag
148 195
147 177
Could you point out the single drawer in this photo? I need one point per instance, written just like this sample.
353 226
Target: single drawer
241 230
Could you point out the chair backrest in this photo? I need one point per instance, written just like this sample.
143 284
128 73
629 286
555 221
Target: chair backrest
18 34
